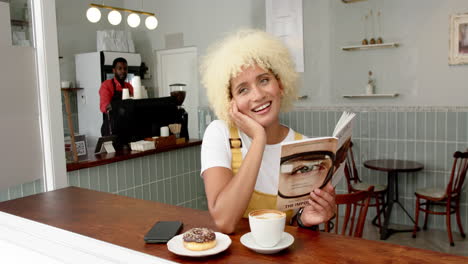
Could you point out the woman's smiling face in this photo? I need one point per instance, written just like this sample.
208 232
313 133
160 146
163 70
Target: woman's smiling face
257 94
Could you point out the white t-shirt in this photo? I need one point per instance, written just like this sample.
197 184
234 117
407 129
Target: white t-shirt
216 152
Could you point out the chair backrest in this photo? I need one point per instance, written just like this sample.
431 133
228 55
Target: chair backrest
352 225
351 172
458 174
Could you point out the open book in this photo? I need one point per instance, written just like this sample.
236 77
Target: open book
311 163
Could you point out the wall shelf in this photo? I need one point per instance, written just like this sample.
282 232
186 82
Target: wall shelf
19 23
371 46
371 95
352 1
71 89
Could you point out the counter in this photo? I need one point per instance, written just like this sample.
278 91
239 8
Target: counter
105 158
168 175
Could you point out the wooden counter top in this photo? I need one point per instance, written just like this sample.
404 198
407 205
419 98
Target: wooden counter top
105 158
124 221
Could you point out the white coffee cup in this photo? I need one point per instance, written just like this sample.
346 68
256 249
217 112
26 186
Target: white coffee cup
65 84
125 94
136 82
164 131
137 93
267 226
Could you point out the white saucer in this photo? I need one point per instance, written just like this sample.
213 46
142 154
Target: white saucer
176 246
248 241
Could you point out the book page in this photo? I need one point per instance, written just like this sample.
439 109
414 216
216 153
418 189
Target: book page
311 163
305 165
343 131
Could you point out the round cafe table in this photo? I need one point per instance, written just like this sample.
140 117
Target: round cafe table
392 167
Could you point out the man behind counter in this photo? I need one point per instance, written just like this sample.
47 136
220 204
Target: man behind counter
111 90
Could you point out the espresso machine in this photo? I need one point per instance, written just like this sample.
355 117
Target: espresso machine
178 92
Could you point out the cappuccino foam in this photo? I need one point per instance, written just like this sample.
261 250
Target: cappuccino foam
268 216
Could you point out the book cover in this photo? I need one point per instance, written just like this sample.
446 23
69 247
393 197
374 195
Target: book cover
311 163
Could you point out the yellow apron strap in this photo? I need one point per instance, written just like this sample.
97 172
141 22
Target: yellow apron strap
258 200
236 144
298 136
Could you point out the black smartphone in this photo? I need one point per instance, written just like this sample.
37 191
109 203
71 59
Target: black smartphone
163 231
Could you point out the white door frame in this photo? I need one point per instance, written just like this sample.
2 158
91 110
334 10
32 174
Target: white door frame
159 54
50 101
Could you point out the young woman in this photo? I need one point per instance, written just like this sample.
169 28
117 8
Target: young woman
250 78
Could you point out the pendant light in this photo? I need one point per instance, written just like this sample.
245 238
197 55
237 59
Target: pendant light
93 14
133 20
114 17
151 22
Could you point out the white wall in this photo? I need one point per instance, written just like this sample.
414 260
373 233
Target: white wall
418 69
20 141
50 95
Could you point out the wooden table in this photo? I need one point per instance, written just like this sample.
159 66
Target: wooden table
124 221
393 167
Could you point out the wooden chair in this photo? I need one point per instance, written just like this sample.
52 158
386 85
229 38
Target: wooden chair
355 185
448 196
352 225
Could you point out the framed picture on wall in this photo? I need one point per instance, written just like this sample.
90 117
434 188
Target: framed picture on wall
458 39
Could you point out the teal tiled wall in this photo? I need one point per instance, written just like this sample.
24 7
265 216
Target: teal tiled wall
429 135
169 177
22 190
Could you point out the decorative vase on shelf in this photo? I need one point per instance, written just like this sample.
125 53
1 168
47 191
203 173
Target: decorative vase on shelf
370 87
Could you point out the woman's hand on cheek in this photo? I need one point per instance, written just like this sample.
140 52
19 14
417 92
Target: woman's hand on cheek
322 206
246 124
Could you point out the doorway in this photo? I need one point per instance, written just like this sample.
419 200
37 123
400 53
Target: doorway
180 66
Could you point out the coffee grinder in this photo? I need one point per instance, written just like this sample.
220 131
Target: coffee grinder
178 92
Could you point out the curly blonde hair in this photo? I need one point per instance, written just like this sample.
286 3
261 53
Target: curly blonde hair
244 48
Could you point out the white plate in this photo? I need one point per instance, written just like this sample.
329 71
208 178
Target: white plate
176 246
248 241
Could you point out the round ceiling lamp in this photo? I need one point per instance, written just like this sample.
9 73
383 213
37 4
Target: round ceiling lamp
151 22
93 14
114 17
133 20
